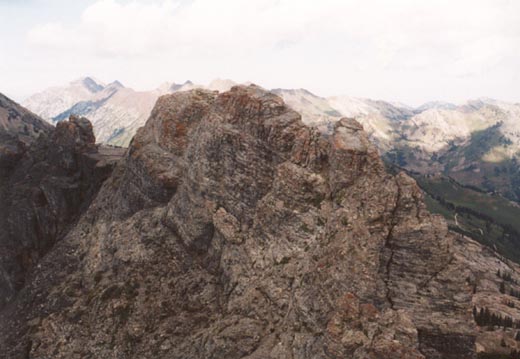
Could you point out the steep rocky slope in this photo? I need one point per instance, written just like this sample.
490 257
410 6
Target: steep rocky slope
232 230
43 189
18 129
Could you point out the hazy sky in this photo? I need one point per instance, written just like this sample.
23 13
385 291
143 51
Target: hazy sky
399 50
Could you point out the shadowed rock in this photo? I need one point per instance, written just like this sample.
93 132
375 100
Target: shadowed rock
43 193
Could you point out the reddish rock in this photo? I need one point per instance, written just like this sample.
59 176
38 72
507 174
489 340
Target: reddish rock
232 230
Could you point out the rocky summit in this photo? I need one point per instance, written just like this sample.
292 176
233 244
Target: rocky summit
231 230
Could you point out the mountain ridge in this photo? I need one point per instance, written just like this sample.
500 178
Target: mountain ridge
258 236
436 137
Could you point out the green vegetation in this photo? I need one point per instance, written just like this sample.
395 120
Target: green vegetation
488 218
484 317
465 162
483 141
506 276
397 156
503 176
480 143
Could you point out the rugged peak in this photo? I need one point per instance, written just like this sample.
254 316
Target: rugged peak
257 237
76 132
115 84
91 84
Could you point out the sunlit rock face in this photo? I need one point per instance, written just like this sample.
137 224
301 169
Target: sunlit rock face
230 229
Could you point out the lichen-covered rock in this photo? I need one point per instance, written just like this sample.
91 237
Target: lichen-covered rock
232 230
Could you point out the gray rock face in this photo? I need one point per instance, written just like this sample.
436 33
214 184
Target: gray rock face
43 193
18 129
232 230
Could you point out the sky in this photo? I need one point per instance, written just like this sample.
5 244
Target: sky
409 51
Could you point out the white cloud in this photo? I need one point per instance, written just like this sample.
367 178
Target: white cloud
374 48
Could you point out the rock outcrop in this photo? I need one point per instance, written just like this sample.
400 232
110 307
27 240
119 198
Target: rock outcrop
45 188
232 230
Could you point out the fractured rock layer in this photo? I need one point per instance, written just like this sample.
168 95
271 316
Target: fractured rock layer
232 230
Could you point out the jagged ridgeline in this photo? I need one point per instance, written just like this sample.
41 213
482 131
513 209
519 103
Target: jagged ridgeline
229 229
476 143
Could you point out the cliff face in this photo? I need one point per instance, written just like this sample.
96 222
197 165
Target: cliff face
232 230
44 189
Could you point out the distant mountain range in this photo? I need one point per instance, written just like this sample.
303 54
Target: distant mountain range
116 111
476 143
